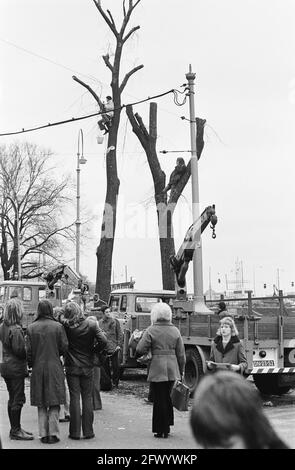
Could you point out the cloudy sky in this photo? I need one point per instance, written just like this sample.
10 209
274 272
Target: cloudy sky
243 55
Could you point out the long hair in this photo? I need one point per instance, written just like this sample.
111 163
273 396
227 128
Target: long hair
73 312
161 312
226 406
230 322
45 309
13 312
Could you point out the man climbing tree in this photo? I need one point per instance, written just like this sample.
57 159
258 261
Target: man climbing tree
104 251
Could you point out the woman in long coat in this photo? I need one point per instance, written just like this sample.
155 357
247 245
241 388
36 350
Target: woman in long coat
14 366
46 342
227 348
164 341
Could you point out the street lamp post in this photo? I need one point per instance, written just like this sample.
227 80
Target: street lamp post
80 160
199 305
19 266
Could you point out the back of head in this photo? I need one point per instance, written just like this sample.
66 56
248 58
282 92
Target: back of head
221 306
227 408
45 309
161 312
13 312
73 312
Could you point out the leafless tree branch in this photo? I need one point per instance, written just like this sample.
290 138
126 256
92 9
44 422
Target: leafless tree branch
128 75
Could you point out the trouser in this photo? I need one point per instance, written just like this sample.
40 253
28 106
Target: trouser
162 407
16 393
112 367
65 409
48 417
97 405
81 385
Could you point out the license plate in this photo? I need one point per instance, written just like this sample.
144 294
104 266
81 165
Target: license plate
263 363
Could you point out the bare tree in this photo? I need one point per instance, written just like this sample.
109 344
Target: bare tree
31 206
165 206
104 251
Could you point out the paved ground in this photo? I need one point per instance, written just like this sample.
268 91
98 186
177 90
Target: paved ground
125 421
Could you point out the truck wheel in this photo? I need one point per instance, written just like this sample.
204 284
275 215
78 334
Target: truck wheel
269 384
193 369
121 372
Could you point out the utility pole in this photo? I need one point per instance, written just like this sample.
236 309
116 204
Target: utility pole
199 305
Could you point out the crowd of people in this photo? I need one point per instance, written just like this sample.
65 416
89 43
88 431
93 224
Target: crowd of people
58 344
65 343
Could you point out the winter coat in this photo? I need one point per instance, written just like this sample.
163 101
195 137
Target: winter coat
14 363
46 342
233 353
83 337
168 355
112 329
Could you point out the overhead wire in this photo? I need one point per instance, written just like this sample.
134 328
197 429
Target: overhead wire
73 119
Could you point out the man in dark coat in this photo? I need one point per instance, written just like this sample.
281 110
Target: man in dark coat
46 342
112 328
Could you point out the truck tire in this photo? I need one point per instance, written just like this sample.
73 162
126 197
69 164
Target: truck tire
121 372
193 369
269 384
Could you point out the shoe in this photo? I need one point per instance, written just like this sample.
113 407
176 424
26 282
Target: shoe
27 432
165 435
146 400
65 419
44 440
20 435
158 434
52 440
89 437
74 437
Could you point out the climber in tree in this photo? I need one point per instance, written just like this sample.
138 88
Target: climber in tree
176 174
106 118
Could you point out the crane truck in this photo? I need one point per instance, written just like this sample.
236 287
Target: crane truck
266 325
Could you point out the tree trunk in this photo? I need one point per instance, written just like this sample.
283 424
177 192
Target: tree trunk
104 251
148 141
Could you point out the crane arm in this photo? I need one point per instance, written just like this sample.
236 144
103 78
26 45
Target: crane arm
180 261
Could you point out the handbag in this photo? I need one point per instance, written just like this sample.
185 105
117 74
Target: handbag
180 396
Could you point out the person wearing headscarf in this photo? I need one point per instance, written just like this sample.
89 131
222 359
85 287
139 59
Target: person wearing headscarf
46 343
14 366
83 336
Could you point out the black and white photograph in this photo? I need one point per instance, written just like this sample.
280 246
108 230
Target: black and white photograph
147 245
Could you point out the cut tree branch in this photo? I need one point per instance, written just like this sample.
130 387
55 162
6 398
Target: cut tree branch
106 59
130 32
112 19
127 76
107 20
98 100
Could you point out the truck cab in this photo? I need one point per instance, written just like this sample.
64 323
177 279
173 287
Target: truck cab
128 304
132 307
30 293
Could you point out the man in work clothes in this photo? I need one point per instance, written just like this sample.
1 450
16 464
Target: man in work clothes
112 329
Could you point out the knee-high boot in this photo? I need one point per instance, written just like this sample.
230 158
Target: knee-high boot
17 433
